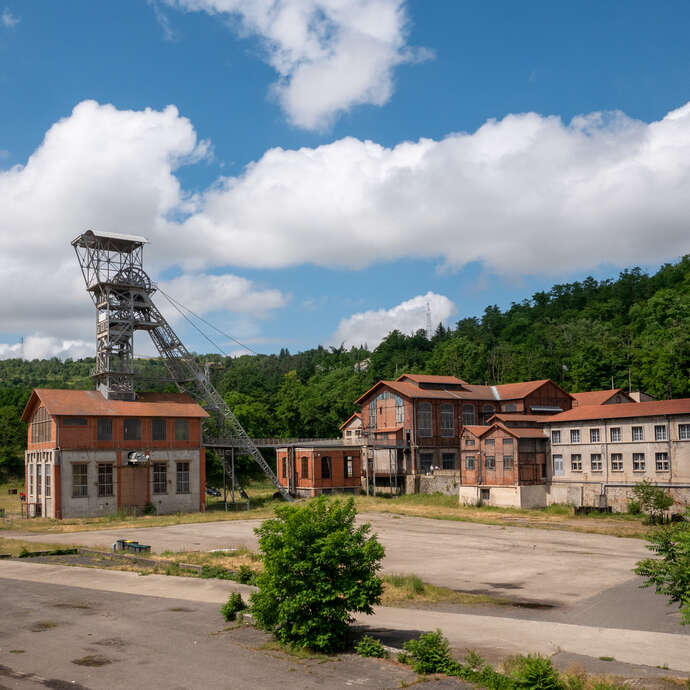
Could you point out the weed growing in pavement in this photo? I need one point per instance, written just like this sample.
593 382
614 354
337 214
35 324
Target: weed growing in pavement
368 646
233 606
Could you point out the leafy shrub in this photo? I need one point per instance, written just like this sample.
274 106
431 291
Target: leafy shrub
216 571
232 606
535 672
654 500
246 575
318 568
413 584
150 509
430 653
368 646
634 507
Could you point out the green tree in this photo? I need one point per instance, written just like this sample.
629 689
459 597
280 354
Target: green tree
319 568
288 402
670 573
653 500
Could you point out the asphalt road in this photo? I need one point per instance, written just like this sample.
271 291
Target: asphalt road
63 637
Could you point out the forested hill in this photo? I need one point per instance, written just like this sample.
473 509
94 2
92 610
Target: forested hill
582 335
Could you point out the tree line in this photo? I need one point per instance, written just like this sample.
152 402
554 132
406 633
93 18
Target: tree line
633 331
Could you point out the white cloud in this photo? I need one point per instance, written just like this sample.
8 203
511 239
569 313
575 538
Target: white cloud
108 169
523 195
9 20
371 327
45 347
330 55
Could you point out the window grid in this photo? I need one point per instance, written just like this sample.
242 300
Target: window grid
684 432
468 415
424 423
447 424
105 429
594 436
616 462
490 462
595 461
660 432
637 433
39 483
160 478
558 466
575 436
556 436
182 430
507 462
105 480
576 463
662 462
48 480
80 487
305 467
158 429
638 462
615 433
349 467
41 426
182 478
470 462
132 430
448 461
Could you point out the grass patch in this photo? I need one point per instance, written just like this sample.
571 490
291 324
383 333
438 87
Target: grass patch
42 626
17 547
400 590
94 660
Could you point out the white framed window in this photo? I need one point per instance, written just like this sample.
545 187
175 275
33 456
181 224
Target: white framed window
424 421
558 470
576 463
574 436
595 462
684 432
638 462
160 478
48 480
616 462
638 433
39 483
594 436
615 433
182 483
556 436
662 462
469 462
447 421
659 432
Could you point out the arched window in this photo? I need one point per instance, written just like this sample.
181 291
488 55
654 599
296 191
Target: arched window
399 410
487 412
447 422
424 425
467 414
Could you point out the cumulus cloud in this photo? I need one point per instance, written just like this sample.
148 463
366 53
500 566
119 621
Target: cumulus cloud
371 327
45 347
330 55
523 195
9 20
103 168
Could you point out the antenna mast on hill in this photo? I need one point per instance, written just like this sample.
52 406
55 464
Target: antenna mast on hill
429 329
113 270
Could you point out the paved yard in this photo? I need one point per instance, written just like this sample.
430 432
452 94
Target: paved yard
548 567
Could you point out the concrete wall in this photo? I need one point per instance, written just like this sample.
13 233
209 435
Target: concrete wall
440 482
505 496
41 495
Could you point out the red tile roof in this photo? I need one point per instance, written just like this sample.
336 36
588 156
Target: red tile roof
598 397
349 419
92 403
476 429
431 378
514 391
516 417
620 411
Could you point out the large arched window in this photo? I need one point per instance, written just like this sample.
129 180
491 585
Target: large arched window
447 422
487 412
424 425
468 414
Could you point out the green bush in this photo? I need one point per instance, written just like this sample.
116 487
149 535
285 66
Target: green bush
319 567
150 509
535 672
634 507
368 646
232 606
654 500
216 571
246 575
430 653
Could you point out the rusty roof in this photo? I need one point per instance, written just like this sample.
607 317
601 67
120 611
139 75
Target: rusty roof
516 417
476 429
92 403
598 397
356 415
514 391
431 378
622 410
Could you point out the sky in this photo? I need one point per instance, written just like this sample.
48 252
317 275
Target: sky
319 171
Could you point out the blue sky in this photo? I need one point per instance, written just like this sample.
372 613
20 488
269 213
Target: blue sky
326 238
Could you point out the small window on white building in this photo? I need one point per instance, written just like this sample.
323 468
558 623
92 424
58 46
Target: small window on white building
638 462
558 466
594 436
615 433
576 463
637 433
616 462
684 432
160 478
662 463
595 460
105 479
80 486
182 483
556 436
574 436
660 432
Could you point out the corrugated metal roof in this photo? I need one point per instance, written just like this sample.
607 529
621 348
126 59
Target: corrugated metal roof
135 239
622 410
92 403
431 378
